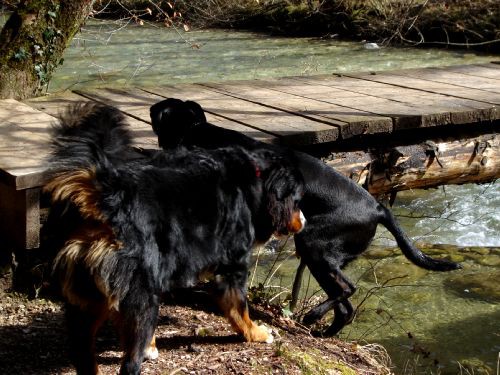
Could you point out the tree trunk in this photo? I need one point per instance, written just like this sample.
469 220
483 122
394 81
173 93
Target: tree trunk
421 166
33 41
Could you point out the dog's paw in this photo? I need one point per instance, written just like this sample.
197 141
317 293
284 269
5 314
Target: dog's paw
270 337
151 353
262 334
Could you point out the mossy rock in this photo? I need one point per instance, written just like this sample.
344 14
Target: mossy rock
484 260
379 252
483 286
398 267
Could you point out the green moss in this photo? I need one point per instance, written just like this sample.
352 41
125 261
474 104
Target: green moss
313 362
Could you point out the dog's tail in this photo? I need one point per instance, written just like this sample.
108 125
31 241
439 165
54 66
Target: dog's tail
409 250
88 145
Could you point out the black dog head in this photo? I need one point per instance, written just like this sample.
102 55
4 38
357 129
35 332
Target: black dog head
283 189
172 120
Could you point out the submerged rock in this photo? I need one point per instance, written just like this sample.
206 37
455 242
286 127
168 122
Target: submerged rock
398 268
482 285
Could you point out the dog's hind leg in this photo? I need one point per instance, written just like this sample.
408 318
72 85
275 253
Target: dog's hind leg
137 321
344 314
317 312
83 325
339 289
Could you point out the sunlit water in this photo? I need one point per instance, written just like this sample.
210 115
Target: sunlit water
428 321
106 54
450 317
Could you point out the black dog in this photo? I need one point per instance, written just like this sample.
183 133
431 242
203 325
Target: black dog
341 216
145 225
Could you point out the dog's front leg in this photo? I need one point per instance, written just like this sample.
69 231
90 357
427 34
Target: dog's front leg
233 303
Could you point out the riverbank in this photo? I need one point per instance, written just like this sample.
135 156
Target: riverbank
461 24
190 339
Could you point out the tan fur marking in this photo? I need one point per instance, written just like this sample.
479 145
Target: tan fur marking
79 188
237 315
295 224
89 246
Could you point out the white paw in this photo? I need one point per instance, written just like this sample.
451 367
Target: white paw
151 353
270 337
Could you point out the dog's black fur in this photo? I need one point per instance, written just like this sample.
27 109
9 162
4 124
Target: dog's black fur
341 216
143 225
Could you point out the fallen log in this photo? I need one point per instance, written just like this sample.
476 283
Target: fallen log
421 166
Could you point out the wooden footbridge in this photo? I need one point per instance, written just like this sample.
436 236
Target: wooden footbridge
304 112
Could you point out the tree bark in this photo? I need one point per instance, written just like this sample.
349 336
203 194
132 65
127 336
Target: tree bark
421 166
32 43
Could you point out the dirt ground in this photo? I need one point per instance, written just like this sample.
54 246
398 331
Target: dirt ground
190 339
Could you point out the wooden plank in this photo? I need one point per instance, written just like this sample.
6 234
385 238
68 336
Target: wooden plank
404 116
431 109
448 76
351 122
489 71
142 134
136 102
20 216
139 102
290 129
24 144
54 104
414 79
411 80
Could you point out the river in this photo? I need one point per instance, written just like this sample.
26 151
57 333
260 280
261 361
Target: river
429 322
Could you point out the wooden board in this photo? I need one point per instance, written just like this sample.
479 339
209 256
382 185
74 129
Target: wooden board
290 129
141 132
453 77
24 144
136 102
20 216
490 71
410 108
403 115
414 80
350 122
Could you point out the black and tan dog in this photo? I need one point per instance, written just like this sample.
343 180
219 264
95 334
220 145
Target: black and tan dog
144 225
341 216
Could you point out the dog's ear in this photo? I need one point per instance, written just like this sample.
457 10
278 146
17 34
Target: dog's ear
164 112
280 187
197 112
283 186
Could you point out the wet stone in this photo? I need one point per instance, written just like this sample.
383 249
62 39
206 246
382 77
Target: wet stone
457 258
480 250
390 270
482 286
379 253
484 260
491 260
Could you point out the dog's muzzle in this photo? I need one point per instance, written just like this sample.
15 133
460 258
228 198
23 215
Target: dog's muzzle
297 223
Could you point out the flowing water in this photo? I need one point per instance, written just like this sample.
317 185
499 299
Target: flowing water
428 321
109 54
